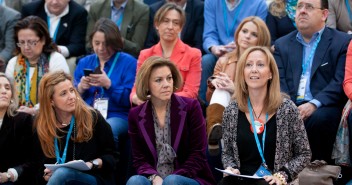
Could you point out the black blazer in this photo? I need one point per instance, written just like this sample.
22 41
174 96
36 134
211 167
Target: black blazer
100 146
192 32
72 28
16 145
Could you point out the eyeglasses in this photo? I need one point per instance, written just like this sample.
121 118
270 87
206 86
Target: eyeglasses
309 7
30 43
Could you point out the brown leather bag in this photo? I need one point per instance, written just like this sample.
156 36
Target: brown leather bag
319 173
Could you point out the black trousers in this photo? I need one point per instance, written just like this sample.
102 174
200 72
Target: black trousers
321 129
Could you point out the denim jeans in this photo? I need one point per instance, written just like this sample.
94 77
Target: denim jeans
169 180
208 64
119 129
349 182
68 176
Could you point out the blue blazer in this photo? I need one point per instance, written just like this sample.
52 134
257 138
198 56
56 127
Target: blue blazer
72 28
188 139
328 68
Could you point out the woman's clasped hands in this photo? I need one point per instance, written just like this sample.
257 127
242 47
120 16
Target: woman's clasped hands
222 81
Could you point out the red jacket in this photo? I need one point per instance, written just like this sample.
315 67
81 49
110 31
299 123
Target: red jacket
188 61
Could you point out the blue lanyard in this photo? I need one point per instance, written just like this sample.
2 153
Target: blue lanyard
119 21
237 9
312 52
261 152
57 28
28 84
61 160
349 10
110 70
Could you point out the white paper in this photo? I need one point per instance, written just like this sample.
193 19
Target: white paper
244 176
77 164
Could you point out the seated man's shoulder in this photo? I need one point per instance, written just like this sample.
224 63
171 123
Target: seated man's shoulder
77 7
140 5
97 6
33 6
287 37
197 4
337 35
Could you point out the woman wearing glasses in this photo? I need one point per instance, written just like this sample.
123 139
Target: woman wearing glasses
36 55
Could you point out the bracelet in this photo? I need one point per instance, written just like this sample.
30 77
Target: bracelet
281 178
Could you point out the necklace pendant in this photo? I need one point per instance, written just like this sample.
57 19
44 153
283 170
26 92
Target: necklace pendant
259 126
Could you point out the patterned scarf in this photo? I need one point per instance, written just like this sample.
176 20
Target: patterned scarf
20 79
291 10
341 151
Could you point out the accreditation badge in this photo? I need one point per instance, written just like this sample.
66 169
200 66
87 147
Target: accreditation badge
262 171
302 88
101 104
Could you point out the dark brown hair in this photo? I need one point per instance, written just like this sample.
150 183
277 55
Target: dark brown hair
111 32
151 63
40 28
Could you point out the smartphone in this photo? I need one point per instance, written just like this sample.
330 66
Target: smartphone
87 72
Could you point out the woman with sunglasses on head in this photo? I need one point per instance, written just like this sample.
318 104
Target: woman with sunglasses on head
36 55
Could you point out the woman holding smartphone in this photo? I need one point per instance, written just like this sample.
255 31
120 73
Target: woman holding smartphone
105 79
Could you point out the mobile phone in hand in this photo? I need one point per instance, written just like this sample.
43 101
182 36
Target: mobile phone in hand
87 72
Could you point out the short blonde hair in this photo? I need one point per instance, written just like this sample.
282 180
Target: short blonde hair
143 75
161 13
274 97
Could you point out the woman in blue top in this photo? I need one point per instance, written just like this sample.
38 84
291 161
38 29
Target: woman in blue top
113 73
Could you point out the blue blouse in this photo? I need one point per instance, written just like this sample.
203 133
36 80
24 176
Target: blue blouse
122 80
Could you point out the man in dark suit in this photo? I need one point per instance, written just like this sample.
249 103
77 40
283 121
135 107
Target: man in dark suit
311 64
192 32
71 30
67 22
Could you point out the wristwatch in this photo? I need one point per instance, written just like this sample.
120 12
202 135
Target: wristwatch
8 177
95 163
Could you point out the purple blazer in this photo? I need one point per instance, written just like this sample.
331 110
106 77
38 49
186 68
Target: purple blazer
188 139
